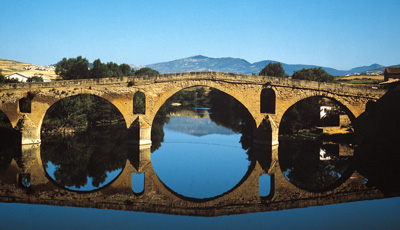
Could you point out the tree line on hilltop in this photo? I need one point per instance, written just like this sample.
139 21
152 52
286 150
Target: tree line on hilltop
312 74
78 68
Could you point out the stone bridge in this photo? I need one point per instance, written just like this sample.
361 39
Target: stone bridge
266 98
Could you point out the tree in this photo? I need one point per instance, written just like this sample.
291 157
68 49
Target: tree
313 74
35 78
3 79
274 70
126 70
146 71
114 69
73 68
99 70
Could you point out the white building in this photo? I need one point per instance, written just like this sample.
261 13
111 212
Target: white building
24 78
18 76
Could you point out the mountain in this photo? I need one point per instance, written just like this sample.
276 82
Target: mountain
237 65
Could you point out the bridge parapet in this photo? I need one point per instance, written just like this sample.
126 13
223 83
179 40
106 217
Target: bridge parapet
213 76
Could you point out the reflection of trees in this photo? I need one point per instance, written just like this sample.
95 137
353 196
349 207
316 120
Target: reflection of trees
225 111
301 164
229 113
85 154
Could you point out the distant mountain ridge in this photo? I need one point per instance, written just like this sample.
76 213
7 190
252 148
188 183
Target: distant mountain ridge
201 63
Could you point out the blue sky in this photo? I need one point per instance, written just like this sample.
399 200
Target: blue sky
336 33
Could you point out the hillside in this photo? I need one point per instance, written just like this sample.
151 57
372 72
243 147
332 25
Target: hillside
237 65
9 67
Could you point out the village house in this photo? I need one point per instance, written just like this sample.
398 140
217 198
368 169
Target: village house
24 78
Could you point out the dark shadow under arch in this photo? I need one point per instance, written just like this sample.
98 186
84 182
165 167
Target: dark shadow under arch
268 101
10 143
307 104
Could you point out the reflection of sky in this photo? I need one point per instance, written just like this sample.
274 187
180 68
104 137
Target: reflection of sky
376 214
200 166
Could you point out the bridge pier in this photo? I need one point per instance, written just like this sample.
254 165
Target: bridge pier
32 165
30 133
141 133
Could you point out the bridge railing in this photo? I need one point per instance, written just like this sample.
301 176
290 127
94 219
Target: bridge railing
216 76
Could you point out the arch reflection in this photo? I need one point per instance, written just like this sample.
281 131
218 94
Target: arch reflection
314 165
206 137
83 149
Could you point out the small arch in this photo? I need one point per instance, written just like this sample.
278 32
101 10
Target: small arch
138 182
25 104
268 101
264 185
139 103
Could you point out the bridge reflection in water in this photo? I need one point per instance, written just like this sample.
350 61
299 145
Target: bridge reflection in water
323 174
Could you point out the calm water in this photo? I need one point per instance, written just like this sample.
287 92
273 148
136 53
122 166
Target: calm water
198 159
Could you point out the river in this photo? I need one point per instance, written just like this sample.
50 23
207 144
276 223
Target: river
198 156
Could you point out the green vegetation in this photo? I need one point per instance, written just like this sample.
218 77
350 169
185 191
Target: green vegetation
273 69
224 111
139 103
36 78
80 113
73 68
303 118
4 80
313 74
300 162
146 71
78 68
194 96
358 81
85 154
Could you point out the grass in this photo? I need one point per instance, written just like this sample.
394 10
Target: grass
9 67
363 79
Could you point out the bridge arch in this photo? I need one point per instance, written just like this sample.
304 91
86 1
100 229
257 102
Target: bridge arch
350 110
5 120
172 89
343 107
54 102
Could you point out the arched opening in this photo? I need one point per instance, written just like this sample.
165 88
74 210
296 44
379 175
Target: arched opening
139 103
202 141
315 144
10 143
83 142
25 104
268 101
